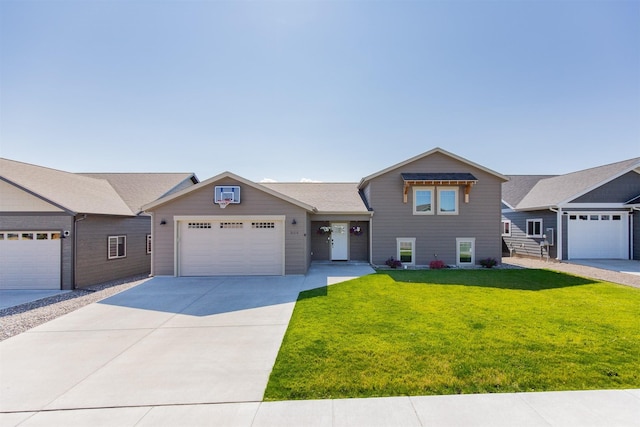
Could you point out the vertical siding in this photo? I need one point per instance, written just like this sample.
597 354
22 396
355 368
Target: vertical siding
435 234
253 202
520 244
92 263
46 222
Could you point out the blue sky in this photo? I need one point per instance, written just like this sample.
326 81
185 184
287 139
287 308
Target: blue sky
328 91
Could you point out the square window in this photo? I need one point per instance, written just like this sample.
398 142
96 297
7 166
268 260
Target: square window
506 227
422 201
534 228
448 201
117 247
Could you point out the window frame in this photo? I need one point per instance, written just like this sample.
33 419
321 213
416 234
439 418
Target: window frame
411 240
431 211
472 241
533 221
508 232
455 191
116 240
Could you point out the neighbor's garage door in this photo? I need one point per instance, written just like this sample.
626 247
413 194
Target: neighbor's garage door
599 235
231 247
29 260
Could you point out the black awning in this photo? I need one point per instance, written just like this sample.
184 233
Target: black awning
447 177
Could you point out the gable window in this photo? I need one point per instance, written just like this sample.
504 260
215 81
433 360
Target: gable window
534 228
148 243
423 201
448 201
506 227
117 247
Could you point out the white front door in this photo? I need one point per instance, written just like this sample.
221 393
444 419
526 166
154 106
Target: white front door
339 241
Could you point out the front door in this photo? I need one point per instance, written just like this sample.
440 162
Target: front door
339 241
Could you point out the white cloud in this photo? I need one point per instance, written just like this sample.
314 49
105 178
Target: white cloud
308 180
268 180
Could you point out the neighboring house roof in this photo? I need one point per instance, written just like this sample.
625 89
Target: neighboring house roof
514 190
557 190
100 193
324 197
234 177
366 179
138 189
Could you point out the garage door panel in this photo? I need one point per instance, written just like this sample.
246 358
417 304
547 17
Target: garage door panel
232 247
602 235
30 260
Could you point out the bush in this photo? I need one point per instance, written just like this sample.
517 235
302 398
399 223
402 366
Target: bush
437 264
393 263
488 262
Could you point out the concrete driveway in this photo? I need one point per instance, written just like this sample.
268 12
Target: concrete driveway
167 341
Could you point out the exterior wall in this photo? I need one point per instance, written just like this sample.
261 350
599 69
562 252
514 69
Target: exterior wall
321 243
253 202
435 234
46 222
519 244
92 263
620 190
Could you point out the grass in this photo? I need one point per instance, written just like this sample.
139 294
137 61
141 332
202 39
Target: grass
454 331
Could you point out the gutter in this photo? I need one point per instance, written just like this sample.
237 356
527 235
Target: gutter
559 242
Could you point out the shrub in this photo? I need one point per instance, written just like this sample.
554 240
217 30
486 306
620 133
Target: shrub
437 264
488 262
393 263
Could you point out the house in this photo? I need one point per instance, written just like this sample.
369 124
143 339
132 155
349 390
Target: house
61 230
592 213
436 205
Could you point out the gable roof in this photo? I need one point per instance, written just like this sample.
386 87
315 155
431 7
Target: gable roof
366 179
138 189
514 190
333 197
561 189
234 177
92 193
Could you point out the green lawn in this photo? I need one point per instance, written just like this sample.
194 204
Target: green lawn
459 331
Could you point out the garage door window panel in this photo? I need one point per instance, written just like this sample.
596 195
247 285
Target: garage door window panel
117 247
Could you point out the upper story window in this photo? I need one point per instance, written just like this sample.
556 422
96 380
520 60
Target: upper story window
423 200
448 200
117 247
534 228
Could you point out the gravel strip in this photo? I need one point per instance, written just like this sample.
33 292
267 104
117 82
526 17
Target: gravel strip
21 318
578 270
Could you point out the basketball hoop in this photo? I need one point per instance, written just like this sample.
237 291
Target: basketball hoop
223 203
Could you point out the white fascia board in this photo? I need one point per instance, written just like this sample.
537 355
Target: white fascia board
593 206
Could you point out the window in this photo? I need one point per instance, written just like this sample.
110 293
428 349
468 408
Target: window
148 243
506 227
534 228
448 201
263 225
202 225
465 251
231 225
406 250
117 247
422 201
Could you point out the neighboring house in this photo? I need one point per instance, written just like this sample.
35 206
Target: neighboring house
434 206
60 230
592 213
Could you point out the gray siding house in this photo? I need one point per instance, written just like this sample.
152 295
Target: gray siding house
434 206
61 230
592 213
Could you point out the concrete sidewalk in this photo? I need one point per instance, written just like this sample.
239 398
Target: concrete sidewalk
577 408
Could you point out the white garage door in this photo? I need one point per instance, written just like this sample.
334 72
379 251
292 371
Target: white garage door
598 235
233 246
29 260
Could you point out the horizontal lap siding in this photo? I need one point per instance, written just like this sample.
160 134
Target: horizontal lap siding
92 263
46 222
253 202
519 244
435 234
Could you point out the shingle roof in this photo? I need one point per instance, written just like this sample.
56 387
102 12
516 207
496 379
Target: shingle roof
324 196
138 189
104 194
514 190
563 188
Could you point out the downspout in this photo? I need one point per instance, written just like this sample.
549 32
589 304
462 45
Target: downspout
371 240
635 208
152 244
75 247
558 232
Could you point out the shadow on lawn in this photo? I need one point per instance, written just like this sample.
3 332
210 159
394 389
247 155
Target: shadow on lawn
525 279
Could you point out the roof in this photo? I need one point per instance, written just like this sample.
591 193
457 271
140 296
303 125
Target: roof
514 190
138 189
324 197
366 179
560 189
101 194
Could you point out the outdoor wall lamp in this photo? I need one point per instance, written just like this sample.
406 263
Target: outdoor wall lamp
294 222
163 222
